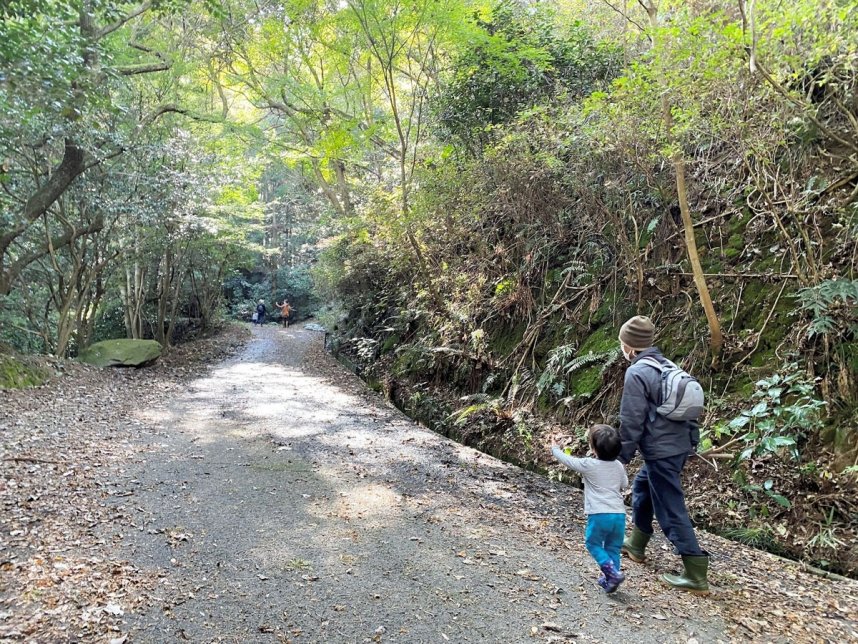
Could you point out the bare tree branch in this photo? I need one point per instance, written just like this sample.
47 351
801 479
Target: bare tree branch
10 275
792 99
171 108
109 29
146 68
626 16
71 166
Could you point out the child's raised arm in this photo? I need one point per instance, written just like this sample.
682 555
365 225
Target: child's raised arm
579 465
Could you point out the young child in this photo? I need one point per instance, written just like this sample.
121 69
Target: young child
604 479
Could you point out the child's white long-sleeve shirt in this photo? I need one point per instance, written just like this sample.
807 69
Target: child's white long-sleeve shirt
604 482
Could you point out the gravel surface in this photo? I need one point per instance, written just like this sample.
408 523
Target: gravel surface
288 502
277 499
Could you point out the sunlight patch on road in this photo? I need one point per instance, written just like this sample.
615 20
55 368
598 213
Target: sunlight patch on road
369 503
156 416
360 440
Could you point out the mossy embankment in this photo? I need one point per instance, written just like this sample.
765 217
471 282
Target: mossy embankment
794 504
19 372
492 309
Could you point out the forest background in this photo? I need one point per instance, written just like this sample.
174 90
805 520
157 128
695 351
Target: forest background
472 197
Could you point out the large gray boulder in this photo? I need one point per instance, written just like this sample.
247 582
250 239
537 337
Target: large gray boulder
121 353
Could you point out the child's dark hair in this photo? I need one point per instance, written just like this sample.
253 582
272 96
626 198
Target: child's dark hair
605 441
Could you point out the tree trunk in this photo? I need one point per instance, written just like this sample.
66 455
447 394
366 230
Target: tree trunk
132 300
343 187
163 281
678 160
716 339
89 310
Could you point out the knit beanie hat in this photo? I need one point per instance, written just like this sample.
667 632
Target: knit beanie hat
638 332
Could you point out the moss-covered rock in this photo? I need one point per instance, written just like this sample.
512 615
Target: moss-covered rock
503 340
18 373
735 246
603 339
606 311
552 336
121 353
586 382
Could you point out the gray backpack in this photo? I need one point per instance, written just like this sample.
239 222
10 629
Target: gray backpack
681 394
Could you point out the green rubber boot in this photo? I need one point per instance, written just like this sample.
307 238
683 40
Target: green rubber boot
693 578
635 545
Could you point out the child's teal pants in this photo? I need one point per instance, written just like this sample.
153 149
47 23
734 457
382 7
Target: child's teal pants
604 537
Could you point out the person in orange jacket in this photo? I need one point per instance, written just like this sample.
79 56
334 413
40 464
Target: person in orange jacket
286 312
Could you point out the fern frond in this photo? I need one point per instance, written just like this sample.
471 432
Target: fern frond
521 382
822 302
546 381
558 356
586 360
460 416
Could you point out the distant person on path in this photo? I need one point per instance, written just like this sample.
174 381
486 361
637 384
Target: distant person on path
665 445
285 312
260 312
604 480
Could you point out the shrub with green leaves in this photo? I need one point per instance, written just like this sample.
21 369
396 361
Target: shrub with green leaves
833 306
768 489
787 411
519 57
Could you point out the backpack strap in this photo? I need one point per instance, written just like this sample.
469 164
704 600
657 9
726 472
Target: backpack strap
661 366
680 392
653 363
653 404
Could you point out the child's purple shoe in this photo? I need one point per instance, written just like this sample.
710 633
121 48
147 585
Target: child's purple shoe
613 577
603 582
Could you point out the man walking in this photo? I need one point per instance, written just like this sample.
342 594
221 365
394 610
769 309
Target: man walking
664 445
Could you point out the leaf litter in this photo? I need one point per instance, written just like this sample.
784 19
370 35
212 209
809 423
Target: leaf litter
64 450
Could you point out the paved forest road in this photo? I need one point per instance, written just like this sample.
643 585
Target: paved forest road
284 502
